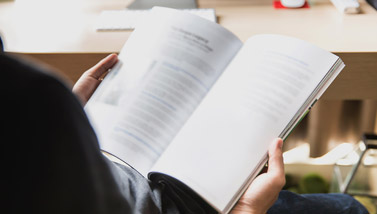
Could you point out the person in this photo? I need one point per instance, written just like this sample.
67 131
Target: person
266 188
52 162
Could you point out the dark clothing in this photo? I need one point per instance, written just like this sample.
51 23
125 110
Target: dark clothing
52 163
56 164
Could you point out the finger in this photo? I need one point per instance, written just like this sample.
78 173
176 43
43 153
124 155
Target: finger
275 163
103 66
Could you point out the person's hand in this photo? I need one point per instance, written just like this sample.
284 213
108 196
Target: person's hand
264 190
89 81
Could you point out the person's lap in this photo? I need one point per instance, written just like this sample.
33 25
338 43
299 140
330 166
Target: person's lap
288 202
331 203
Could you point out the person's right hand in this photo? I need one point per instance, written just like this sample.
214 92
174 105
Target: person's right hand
264 190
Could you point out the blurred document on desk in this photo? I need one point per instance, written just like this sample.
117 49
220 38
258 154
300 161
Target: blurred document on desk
112 20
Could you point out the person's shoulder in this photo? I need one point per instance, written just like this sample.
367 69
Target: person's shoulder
24 74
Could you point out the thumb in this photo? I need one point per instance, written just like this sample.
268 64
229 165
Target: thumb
275 162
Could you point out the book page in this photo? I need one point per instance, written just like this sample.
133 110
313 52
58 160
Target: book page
221 145
167 66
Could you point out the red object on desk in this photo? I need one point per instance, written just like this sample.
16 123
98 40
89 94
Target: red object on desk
278 5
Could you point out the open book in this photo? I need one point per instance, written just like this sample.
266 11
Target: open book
189 100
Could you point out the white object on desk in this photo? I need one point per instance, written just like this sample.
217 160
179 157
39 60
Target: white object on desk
347 6
292 3
110 20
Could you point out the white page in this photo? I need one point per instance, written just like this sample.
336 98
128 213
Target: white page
251 103
168 65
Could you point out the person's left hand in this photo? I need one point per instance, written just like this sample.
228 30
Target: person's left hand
89 81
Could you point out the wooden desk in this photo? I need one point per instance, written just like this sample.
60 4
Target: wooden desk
62 34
